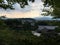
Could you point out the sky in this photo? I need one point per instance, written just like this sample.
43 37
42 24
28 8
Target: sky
30 11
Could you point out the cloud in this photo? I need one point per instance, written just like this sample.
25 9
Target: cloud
30 11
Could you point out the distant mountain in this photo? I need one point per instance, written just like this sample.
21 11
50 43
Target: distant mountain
37 18
46 18
43 18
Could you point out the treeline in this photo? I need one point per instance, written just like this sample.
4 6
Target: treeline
25 37
25 24
2 25
18 24
48 23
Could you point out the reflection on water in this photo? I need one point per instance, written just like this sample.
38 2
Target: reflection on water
30 11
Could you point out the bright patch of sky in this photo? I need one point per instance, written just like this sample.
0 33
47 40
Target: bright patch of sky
30 11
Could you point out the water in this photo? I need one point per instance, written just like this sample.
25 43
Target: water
30 11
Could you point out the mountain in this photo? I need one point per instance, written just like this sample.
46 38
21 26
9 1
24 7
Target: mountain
46 18
43 18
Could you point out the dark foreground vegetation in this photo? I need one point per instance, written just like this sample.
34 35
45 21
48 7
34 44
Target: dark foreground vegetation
25 37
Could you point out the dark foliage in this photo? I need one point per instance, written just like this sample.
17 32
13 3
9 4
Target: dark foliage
56 5
25 37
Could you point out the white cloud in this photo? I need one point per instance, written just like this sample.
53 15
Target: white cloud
30 11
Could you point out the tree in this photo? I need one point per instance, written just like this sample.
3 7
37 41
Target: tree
56 5
11 2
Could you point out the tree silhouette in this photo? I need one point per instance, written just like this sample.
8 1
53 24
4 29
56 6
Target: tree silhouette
56 5
11 2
